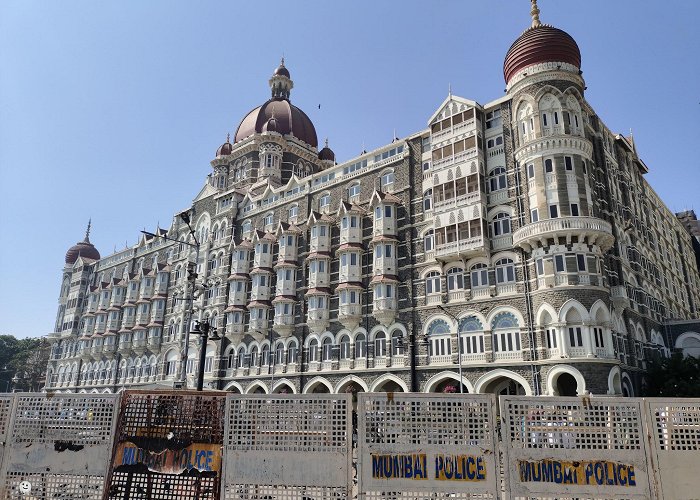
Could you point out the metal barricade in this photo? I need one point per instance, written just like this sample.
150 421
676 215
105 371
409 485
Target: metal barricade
168 446
58 446
291 447
427 446
568 447
674 432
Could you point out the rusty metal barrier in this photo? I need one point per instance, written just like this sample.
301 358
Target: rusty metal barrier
168 446
58 446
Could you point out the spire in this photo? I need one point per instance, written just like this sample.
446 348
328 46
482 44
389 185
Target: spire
228 137
535 13
87 232
281 83
449 89
326 141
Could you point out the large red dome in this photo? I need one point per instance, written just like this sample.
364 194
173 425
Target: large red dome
83 249
288 120
541 43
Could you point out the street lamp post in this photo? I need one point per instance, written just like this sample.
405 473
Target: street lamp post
459 347
191 278
206 332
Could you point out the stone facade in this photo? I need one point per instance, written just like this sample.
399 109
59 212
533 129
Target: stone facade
516 243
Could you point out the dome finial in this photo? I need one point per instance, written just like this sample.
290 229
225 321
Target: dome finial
87 232
535 13
228 137
326 141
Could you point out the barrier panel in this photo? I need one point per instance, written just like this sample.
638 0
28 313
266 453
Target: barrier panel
287 447
58 446
168 446
427 446
674 432
568 447
5 418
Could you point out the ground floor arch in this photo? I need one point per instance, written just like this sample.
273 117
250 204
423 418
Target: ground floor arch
565 380
504 383
441 382
318 385
389 383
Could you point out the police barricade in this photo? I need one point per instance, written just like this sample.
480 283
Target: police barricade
168 446
287 447
6 401
568 447
427 446
58 446
674 430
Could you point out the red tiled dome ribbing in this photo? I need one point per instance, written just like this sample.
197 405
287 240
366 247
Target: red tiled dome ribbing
540 44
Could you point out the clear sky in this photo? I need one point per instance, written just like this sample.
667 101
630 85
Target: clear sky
113 110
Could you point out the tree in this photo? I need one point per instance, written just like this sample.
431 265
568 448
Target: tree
22 363
677 376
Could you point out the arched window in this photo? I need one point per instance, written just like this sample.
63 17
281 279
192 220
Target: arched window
432 283
293 211
327 349
279 353
265 355
345 347
380 345
505 271
498 179
241 357
428 200
313 350
471 335
455 279
387 179
254 358
292 353
439 339
396 343
360 346
269 219
500 224
506 333
247 227
479 275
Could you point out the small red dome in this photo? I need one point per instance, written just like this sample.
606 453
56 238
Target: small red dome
226 148
326 154
83 249
540 44
282 70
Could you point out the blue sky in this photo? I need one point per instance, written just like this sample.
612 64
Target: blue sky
113 110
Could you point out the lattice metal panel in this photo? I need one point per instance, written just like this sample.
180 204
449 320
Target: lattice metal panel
170 431
5 415
59 445
167 419
287 446
675 437
82 420
163 487
53 486
427 446
574 447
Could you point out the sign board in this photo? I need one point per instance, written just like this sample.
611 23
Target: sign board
287 446
418 445
574 447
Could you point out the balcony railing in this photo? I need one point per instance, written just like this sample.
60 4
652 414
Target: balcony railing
460 247
508 356
459 201
597 231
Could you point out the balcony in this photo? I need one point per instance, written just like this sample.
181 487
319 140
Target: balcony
604 352
457 202
283 324
350 315
457 295
589 229
445 359
258 328
502 242
619 297
479 357
460 248
508 356
506 288
234 330
317 320
384 310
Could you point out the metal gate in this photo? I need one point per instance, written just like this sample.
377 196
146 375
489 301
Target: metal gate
168 446
564 447
674 433
427 446
292 447
58 446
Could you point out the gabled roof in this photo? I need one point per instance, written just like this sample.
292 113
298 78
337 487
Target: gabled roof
205 192
453 99
381 197
347 207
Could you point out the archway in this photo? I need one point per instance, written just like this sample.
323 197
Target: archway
283 387
565 380
447 382
503 383
614 381
234 387
389 383
318 385
256 388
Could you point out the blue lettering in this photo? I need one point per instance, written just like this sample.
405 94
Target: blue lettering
480 469
569 476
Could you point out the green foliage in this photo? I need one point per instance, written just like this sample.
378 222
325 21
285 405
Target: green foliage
25 360
677 376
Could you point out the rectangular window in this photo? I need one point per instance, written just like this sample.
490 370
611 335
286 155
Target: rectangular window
551 338
548 166
574 209
534 215
387 211
378 213
581 261
559 263
322 230
575 337
531 171
540 267
387 250
353 221
353 259
553 211
568 163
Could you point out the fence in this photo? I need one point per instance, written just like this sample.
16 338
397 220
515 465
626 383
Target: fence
167 445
